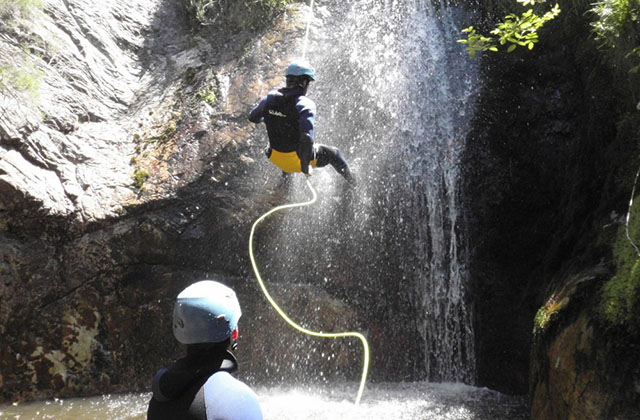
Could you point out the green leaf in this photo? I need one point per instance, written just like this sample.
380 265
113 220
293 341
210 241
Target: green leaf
514 30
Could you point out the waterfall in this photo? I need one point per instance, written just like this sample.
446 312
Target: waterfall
395 94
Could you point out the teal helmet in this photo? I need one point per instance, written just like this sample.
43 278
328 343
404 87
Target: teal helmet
301 68
205 312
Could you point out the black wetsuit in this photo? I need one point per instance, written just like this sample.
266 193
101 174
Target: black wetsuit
201 388
290 119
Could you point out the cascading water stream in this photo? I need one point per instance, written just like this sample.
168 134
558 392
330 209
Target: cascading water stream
395 93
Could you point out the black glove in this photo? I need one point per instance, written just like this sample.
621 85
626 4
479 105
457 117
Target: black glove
305 152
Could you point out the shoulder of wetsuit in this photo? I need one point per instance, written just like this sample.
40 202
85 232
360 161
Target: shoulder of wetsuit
307 101
276 93
306 105
272 95
276 97
169 384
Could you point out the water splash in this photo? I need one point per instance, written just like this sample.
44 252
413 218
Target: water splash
400 99
416 401
395 94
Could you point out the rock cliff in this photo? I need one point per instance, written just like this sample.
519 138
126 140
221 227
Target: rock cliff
130 174
549 172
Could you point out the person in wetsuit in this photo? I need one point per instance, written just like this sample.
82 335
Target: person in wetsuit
200 386
290 117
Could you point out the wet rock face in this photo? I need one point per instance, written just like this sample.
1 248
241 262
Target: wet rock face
579 368
569 391
525 131
68 149
133 175
543 178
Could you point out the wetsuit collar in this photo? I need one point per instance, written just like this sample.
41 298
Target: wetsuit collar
293 91
169 384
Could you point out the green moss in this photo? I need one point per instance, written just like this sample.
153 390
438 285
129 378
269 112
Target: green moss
9 8
550 311
139 177
25 78
541 320
168 132
171 128
619 304
208 94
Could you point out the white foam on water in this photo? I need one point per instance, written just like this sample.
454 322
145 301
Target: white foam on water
388 401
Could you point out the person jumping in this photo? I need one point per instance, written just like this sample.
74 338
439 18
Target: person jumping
290 117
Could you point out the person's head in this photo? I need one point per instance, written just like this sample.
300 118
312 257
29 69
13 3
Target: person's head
205 317
299 74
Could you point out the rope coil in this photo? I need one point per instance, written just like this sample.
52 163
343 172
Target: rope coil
284 316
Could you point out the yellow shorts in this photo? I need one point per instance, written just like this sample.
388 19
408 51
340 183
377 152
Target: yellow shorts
288 162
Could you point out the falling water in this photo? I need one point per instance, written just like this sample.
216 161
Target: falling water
395 94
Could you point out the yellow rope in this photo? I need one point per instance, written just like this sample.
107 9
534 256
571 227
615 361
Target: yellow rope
284 316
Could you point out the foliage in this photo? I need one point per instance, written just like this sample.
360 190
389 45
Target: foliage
25 78
550 311
18 73
541 320
208 94
514 30
242 14
139 177
619 304
616 18
170 128
617 26
9 8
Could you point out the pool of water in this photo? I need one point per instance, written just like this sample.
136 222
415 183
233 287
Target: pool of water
397 401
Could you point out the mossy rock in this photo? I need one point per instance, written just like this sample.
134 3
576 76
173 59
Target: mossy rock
139 177
208 94
619 304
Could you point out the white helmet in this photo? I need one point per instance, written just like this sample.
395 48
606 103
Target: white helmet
205 312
